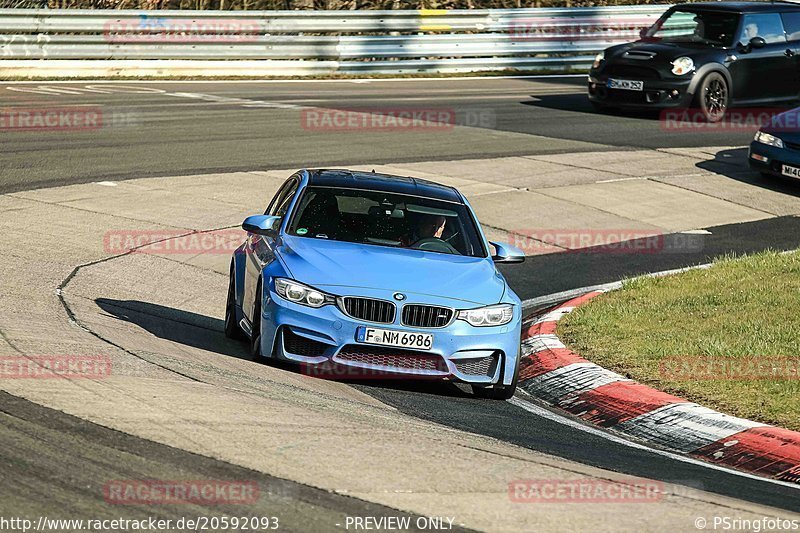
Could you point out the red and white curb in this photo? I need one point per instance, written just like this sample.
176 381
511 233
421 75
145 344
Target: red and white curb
554 374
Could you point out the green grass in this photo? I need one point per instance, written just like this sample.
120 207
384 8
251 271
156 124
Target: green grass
741 311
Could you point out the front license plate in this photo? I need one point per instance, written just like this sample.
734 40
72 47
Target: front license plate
626 85
792 172
400 339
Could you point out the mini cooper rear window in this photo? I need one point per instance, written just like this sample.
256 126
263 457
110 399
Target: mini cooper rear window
387 219
791 23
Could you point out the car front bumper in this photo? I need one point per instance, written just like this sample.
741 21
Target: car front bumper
770 159
657 94
326 337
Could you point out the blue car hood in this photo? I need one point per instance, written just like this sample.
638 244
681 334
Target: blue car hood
785 125
328 264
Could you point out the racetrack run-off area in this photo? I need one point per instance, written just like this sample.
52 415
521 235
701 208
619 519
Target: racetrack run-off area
176 160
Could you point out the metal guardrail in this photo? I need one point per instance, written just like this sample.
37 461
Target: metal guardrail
314 42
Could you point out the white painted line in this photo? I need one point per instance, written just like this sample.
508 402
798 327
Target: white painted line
563 420
569 381
554 315
614 180
540 343
685 427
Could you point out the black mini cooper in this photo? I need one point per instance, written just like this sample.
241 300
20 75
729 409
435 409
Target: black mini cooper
705 56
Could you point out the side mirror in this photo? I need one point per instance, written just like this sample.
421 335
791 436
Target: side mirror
752 44
643 33
262 225
506 253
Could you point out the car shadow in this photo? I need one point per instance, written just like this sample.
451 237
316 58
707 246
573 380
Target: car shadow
579 103
206 333
176 325
732 163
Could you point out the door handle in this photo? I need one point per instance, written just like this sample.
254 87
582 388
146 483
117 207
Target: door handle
789 52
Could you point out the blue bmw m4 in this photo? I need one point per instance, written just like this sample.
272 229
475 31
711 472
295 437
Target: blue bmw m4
376 273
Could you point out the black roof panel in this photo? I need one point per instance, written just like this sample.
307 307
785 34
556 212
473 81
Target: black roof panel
743 7
351 179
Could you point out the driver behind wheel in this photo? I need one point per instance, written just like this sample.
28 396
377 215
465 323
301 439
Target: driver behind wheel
427 226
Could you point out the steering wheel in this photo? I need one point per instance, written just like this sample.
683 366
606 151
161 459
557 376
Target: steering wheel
435 244
451 237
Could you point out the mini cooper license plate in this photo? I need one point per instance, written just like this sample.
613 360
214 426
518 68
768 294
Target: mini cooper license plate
626 85
792 172
400 339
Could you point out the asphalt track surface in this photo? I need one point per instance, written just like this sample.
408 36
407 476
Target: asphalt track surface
46 448
169 133
167 129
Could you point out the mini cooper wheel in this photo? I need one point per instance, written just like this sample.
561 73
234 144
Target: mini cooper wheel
232 329
713 97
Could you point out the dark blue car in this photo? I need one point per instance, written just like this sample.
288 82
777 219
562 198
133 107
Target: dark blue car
775 150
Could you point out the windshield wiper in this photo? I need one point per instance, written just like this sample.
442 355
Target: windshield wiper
382 242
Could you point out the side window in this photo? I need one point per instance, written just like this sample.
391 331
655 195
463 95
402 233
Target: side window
767 26
280 197
791 21
282 205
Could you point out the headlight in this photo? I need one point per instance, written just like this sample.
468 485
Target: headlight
301 294
598 59
494 315
682 65
766 138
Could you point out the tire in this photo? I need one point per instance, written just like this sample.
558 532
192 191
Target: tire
232 329
713 97
500 392
255 337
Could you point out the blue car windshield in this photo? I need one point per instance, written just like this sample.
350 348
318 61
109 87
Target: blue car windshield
386 219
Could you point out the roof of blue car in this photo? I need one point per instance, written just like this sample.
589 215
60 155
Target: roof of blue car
349 179
743 7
